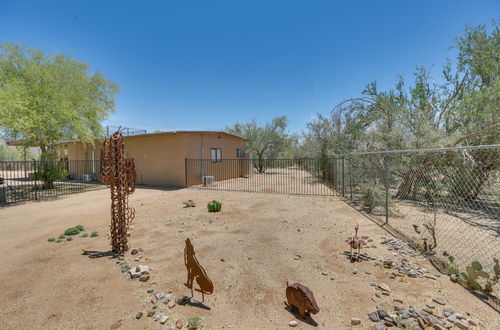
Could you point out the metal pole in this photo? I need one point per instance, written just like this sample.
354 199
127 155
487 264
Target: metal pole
343 174
34 178
386 184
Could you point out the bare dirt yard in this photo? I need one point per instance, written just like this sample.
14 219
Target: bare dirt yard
249 250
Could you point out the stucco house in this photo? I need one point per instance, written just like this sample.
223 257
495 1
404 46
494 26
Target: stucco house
160 158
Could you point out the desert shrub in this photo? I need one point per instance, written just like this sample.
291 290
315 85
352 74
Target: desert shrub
51 239
72 231
194 322
69 238
62 237
85 235
80 227
94 234
49 172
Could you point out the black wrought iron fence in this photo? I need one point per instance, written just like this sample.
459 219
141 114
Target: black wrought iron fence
446 201
32 180
305 176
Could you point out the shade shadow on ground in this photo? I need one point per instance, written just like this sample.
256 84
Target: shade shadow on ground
296 314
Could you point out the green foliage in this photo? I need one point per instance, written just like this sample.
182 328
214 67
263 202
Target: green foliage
73 230
94 234
475 277
48 98
195 322
69 238
51 239
8 153
85 235
49 172
62 236
80 227
420 113
265 142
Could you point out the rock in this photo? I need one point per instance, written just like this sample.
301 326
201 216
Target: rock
151 290
171 303
384 287
297 257
473 323
380 326
293 323
163 318
461 324
138 271
381 312
160 295
386 293
378 294
138 315
150 313
439 300
179 324
144 278
367 272
354 271
398 300
454 277
448 311
459 316
324 273
431 305
374 317
134 251
332 278
355 321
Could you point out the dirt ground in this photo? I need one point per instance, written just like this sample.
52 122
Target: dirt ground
247 250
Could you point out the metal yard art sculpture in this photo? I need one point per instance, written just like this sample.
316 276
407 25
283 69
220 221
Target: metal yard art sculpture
119 173
196 272
300 297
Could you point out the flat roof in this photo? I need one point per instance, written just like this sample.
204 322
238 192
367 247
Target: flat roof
20 142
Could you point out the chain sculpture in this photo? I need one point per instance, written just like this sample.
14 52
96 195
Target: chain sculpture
119 173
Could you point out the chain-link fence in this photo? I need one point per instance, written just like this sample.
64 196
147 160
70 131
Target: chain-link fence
33 180
446 201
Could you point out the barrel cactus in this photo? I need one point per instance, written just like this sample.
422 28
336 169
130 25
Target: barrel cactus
214 206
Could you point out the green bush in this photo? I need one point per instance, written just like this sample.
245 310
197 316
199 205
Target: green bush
71 231
94 234
80 227
50 171
62 237
51 239
69 238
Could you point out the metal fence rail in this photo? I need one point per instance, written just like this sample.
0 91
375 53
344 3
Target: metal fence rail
282 176
446 201
33 180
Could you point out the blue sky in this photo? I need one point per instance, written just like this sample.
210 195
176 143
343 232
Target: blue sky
202 65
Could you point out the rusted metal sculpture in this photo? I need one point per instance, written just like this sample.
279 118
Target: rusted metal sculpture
300 297
356 243
119 173
196 272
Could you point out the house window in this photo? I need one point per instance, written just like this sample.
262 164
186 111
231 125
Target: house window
216 155
239 153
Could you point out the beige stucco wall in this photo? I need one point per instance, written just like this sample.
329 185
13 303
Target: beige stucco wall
160 158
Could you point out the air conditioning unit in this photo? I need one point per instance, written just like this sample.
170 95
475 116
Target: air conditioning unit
208 181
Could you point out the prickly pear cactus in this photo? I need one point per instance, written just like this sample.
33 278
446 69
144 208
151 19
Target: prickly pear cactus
214 206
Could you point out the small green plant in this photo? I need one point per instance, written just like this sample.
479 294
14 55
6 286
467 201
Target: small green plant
94 234
84 235
368 199
62 237
51 239
194 323
69 238
452 266
73 230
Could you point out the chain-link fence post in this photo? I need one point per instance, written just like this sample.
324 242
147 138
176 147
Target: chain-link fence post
343 174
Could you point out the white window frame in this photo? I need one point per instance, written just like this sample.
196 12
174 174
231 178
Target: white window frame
216 155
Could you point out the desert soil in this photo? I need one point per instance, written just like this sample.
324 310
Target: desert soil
248 251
